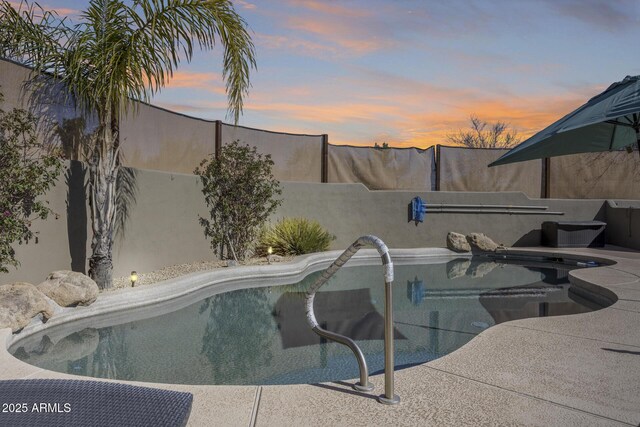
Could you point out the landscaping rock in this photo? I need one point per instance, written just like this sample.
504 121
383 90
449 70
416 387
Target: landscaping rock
457 242
480 269
19 303
72 347
76 346
481 242
457 268
69 288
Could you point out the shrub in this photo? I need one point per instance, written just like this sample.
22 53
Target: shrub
239 190
27 171
294 236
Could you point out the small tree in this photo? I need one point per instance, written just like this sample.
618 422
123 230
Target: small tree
239 189
485 135
27 171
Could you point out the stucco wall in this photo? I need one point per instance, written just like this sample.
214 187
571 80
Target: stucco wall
350 210
162 227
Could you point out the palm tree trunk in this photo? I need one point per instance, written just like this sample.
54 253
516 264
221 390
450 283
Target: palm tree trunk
103 177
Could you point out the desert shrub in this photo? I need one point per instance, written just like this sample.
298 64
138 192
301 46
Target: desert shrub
239 190
294 236
27 170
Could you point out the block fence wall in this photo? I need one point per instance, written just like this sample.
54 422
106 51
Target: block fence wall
162 228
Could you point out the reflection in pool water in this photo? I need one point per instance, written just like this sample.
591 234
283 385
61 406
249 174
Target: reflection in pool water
260 335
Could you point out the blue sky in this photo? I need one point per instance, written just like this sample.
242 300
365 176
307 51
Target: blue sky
409 72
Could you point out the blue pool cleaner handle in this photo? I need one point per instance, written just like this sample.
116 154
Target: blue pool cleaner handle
418 209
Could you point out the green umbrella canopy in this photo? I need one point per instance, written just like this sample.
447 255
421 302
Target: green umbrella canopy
609 121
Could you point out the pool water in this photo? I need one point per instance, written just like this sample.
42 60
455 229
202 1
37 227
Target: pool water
260 335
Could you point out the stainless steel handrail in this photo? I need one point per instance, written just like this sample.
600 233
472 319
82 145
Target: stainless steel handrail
364 385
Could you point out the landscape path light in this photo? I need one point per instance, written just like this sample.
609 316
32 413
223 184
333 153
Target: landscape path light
134 278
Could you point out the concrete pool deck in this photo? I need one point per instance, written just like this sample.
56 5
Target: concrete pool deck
566 370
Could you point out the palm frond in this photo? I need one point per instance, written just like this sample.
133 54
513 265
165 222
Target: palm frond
239 55
34 37
166 33
119 52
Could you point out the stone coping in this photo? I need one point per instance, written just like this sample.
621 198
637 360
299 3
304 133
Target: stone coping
579 369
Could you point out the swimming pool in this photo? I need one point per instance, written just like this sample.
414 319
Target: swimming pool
260 335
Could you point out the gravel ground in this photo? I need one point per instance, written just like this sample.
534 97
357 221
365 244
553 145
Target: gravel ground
151 277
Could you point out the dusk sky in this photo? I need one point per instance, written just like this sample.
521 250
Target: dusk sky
409 72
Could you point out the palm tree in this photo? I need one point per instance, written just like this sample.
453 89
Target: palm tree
116 54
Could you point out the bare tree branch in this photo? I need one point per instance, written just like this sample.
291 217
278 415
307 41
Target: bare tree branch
485 135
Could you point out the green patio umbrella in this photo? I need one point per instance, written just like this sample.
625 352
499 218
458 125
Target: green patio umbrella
609 121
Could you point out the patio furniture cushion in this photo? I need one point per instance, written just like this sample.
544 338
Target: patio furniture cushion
49 402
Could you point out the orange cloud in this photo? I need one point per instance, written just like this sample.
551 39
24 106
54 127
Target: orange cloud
421 118
527 116
423 114
375 107
327 28
343 34
62 11
327 113
210 82
400 127
245 4
331 8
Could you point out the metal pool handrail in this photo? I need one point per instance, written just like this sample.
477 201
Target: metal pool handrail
389 397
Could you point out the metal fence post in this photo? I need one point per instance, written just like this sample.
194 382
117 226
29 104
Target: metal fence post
438 167
324 177
545 178
218 138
